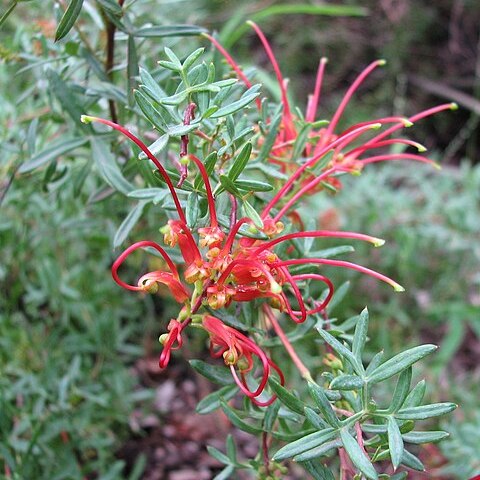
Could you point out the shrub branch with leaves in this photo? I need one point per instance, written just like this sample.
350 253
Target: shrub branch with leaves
245 267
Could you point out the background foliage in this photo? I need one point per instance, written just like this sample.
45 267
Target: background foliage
69 337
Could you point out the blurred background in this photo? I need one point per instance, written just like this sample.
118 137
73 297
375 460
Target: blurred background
81 396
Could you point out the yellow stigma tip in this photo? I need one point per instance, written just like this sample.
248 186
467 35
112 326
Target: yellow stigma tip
453 106
378 242
407 123
437 166
382 62
398 288
86 119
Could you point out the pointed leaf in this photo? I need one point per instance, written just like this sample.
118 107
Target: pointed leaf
395 442
288 399
306 443
425 411
240 162
108 167
130 221
219 375
250 212
401 390
238 421
418 438
68 18
212 401
342 350
357 455
169 31
346 382
400 362
360 336
318 395
51 153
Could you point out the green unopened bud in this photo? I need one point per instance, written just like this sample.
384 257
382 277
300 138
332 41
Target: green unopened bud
230 357
407 426
275 288
150 286
184 161
242 363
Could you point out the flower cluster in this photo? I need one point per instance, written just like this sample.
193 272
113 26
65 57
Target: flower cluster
224 266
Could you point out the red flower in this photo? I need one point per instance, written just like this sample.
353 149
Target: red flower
238 352
325 140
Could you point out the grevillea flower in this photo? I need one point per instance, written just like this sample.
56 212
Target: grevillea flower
340 149
238 352
223 266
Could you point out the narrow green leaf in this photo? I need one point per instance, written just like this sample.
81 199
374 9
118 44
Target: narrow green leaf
153 115
151 85
112 7
156 147
218 455
346 382
287 398
192 212
357 455
425 411
132 68
375 362
317 470
341 350
212 401
209 164
169 31
395 442
305 444
360 335
173 58
269 139
7 13
225 474
68 19
126 226
415 397
179 130
228 185
237 28
411 461
239 422
240 162
400 362
317 452
108 167
51 153
219 375
146 193
248 97
315 419
271 416
418 438
253 185
231 449
318 395
192 58
300 142
67 98
401 390
250 212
